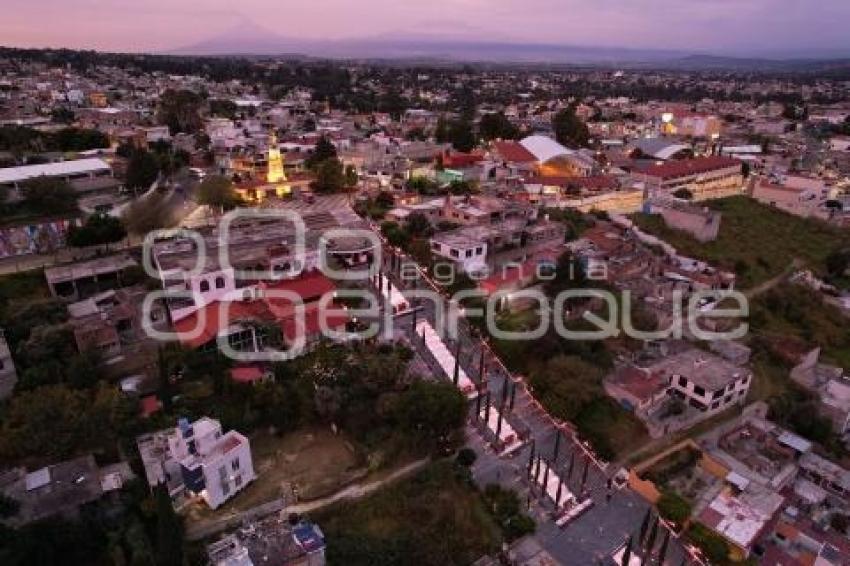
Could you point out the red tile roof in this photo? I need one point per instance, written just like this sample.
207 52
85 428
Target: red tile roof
149 405
246 374
458 159
310 287
674 169
509 277
218 315
334 319
513 152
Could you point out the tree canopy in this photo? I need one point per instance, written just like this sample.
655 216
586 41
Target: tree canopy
142 170
218 192
48 195
496 126
330 176
180 110
99 229
324 150
569 128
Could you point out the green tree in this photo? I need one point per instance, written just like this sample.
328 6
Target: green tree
466 457
504 504
8 506
566 384
350 176
463 187
79 139
496 126
418 225
169 530
223 108
392 103
217 191
48 195
837 263
49 422
569 129
713 545
674 507
395 234
99 229
324 150
330 177
180 110
462 136
569 274
142 170
431 413
441 131
385 200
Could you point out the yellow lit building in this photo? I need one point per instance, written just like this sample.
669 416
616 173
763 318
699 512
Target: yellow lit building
275 175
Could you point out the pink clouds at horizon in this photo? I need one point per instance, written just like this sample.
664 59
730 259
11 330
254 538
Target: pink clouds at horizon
158 25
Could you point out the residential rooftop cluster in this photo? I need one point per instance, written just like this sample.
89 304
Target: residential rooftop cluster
226 284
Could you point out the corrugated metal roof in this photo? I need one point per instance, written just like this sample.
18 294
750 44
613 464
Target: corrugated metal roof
74 167
544 148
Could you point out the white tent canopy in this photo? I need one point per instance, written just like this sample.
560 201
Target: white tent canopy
444 357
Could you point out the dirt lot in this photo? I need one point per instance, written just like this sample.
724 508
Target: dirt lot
312 462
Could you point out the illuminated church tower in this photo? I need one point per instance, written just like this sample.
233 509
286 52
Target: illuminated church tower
275 172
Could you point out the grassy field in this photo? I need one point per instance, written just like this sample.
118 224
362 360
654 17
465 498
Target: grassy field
26 285
434 518
755 241
796 312
612 430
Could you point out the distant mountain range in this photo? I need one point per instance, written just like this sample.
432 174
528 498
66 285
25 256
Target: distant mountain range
251 40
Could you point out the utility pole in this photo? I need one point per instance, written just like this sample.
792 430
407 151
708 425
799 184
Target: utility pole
557 445
531 458
457 364
481 366
584 476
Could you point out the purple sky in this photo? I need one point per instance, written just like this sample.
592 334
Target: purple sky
720 26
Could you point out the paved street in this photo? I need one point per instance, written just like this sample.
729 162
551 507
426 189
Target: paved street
615 513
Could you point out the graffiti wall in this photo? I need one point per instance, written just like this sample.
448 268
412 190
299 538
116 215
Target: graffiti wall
39 238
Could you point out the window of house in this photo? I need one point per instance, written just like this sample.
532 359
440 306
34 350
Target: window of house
454 253
479 250
699 390
219 282
238 481
468 253
717 394
234 465
205 286
683 381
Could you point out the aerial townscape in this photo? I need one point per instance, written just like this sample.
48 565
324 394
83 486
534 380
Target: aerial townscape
427 294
